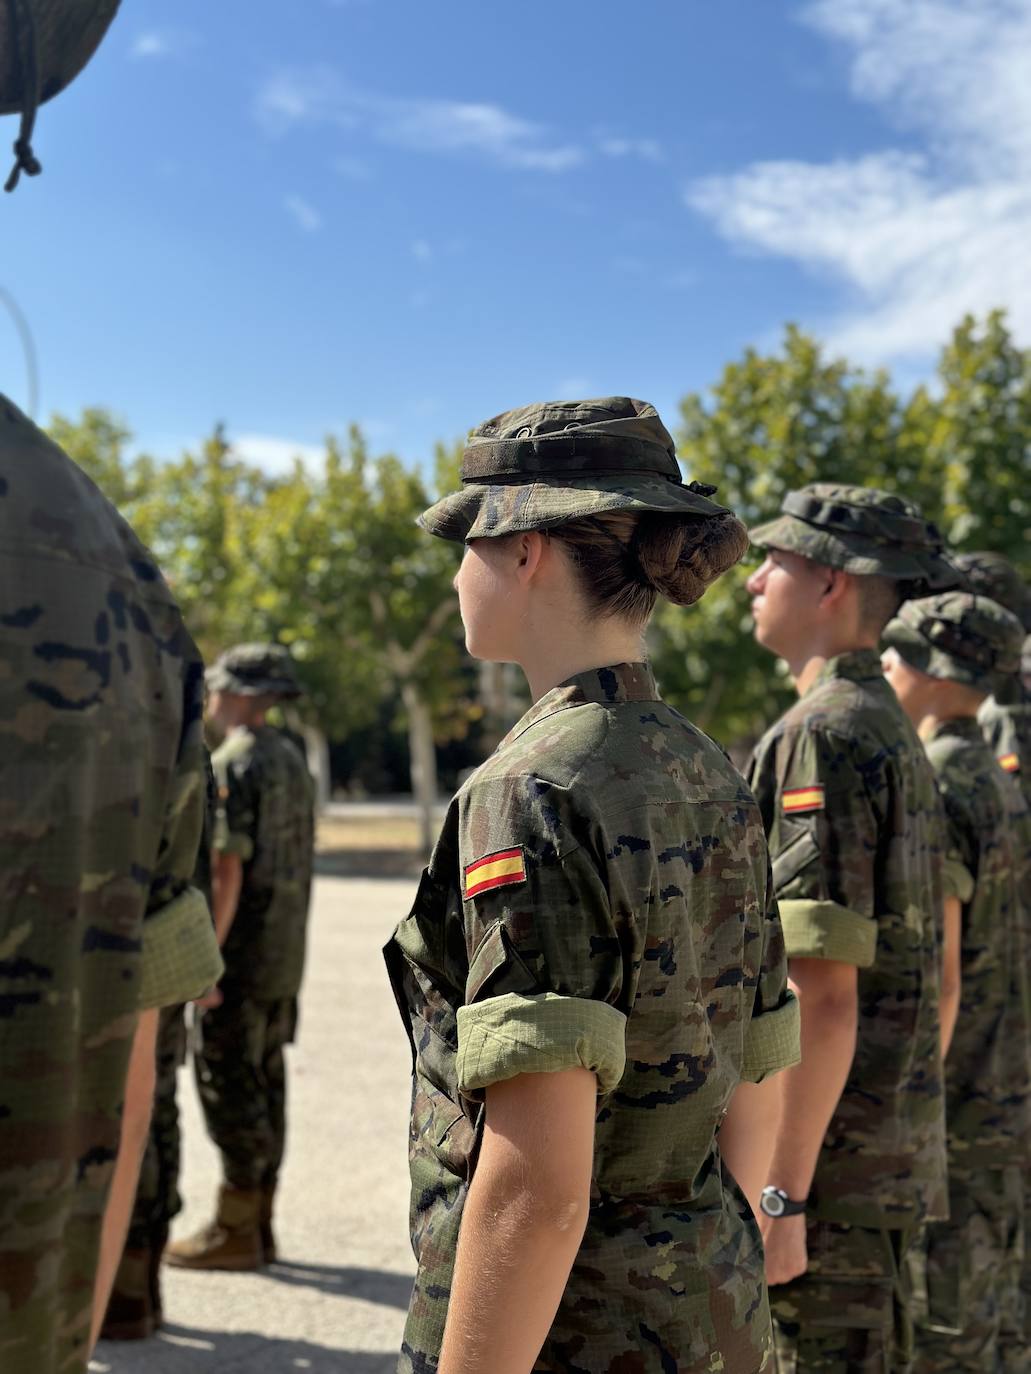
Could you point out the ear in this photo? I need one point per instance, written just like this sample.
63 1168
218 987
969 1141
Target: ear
530 550
837 587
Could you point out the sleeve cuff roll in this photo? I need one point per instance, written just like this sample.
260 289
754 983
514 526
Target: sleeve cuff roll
773 1042
240 845
544 1033
825 930
180 953
957 880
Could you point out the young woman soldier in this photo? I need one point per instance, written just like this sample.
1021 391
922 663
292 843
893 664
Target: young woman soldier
594 963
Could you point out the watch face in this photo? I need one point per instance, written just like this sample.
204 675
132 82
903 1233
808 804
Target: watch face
772 1203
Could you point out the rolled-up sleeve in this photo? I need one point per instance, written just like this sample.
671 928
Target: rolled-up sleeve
540 1033
545 959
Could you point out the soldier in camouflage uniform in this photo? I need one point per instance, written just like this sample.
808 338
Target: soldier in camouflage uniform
945 655
599 900
856 836
103 790
1005 720
264 845
1006 716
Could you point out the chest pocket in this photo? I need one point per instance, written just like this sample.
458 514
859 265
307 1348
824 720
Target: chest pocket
794 858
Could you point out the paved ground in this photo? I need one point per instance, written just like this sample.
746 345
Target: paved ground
336 1301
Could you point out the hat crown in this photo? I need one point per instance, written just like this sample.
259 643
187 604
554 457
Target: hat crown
970 629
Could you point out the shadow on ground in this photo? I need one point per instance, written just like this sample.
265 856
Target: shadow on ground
367 863
190 1350
370 1285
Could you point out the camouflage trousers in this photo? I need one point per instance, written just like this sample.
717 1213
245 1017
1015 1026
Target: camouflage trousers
970 1268
850 1312
241 1079
157 1194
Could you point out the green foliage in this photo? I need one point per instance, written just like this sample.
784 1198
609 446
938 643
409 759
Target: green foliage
774 422
331 562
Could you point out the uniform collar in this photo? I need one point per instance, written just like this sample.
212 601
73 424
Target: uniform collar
960 727
610 686
860 665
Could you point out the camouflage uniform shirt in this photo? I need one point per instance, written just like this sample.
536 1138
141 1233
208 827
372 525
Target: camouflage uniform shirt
600 896
266 816
1006 723
986 1073
856 835
101 803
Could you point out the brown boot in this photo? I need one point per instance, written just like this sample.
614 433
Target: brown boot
158 1241
129 1315
268 1240
231 1241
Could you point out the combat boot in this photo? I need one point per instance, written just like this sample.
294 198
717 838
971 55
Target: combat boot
231 1241
268 1240
130 1314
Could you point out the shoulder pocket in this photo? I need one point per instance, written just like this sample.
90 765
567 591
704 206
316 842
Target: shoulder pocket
493 956
796 855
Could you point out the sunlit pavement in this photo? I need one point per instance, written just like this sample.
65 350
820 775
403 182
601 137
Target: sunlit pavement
336 1300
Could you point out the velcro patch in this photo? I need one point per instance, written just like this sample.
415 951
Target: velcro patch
1011 762
494 870
803 798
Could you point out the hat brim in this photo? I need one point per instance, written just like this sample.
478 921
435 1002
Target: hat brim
854 554
217 679
488 511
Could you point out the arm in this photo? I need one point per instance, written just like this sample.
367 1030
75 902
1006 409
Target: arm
139 1098
226 884
951 975
523 1221
749 1133
827 991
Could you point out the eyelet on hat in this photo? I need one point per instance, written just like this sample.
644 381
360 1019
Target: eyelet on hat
573 424
524 433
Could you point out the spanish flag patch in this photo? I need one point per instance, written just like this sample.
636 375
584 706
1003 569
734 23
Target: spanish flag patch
1011 762
494 870
803 798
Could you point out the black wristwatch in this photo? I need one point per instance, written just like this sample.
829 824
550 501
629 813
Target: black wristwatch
776 1203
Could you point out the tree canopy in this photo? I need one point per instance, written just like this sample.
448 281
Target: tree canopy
328 559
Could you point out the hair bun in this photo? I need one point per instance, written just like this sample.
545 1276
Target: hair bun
682 556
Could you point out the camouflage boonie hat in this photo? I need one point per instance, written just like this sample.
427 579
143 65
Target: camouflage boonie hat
544 464
252 670
960 637
861 530
992 575
44 44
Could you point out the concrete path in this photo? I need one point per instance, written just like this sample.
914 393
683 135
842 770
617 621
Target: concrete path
336 1301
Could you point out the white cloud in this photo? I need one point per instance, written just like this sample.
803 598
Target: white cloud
160 43
421 251
574 388
303 213
920 238
646 149
275 454
354 168
318 96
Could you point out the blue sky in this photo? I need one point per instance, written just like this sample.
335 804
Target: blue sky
412 216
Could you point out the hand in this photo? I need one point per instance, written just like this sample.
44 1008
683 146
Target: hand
786 1255
212 998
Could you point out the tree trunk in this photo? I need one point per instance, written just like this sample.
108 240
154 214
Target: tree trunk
423 756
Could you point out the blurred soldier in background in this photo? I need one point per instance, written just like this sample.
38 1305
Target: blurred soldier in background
1006 716
945 655
261 880
856 836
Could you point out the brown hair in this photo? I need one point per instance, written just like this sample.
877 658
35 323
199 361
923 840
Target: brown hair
625 559
879 600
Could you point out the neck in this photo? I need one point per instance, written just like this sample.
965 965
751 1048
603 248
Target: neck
553 656
934 720
806 666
